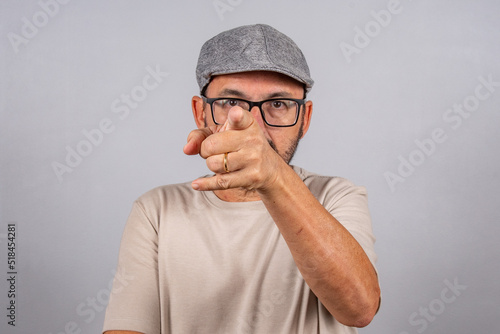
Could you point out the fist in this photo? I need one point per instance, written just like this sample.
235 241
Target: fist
237 152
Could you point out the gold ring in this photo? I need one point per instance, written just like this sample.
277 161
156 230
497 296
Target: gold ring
225 163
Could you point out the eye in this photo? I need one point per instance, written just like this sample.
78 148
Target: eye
229 103
279 104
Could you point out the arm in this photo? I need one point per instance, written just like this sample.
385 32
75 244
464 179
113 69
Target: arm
331 261
329 258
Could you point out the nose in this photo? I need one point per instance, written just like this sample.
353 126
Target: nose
255 111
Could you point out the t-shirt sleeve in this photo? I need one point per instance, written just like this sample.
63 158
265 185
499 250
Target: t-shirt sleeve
349 205
134 302
351 210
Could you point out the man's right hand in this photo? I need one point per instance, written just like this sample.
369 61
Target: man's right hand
253 163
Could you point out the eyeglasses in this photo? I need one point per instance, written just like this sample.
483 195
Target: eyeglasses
275 112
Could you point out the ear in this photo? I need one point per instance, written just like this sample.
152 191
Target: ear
198 111
308 109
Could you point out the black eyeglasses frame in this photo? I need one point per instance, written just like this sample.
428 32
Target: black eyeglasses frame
300 103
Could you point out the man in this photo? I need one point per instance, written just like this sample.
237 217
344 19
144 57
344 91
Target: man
260 246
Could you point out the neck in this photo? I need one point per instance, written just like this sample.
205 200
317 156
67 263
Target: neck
237 195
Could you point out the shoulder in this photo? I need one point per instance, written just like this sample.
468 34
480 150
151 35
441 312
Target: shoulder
162 195
321 185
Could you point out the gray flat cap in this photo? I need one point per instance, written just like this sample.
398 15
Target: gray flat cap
256 47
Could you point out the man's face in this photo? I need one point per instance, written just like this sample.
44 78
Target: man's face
258 86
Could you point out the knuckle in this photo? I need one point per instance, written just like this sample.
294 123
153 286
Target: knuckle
222 182
254 160
254 176
210 163
193 133
209 145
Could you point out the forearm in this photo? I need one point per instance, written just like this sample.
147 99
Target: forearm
329 258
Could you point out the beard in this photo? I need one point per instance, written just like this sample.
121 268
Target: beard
292 148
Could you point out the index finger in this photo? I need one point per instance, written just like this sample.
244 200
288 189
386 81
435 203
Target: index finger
238 119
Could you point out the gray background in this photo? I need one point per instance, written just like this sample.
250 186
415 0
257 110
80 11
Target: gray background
437 223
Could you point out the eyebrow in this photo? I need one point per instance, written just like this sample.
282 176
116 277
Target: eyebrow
232 92
236 93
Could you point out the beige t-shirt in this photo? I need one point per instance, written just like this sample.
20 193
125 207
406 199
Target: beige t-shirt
192 263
